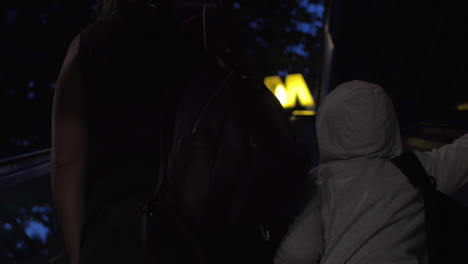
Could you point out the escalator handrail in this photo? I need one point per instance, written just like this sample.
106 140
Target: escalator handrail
22 168
21 157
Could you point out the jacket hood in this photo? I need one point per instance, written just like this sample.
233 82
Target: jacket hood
357 119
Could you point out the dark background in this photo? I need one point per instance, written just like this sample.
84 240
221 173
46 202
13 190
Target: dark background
34 39
416 50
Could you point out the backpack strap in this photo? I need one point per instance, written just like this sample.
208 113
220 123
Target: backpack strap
410 165
209 12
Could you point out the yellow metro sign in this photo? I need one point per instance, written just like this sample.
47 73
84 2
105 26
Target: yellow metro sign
294 87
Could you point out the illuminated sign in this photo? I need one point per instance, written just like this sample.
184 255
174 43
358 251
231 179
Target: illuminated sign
304 112
294 87
424 144
462 107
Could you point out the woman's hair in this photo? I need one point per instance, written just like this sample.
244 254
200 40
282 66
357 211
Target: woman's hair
108 6
227 34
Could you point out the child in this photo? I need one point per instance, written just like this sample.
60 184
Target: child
365 210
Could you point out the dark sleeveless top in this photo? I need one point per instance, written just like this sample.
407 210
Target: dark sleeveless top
125 64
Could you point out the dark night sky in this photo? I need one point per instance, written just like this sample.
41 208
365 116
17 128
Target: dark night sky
415 51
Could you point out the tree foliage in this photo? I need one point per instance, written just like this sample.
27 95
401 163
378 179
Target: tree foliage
281 36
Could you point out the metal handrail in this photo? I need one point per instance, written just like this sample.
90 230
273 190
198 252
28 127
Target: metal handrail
23 162
22 168
13 159
15 172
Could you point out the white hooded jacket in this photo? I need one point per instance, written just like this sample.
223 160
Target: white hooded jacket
364 209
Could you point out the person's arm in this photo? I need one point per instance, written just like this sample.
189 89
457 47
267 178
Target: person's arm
68 151
304 242
448 165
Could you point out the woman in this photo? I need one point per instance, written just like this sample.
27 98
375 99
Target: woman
106 124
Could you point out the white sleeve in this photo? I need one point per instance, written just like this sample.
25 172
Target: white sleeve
303 243
448 165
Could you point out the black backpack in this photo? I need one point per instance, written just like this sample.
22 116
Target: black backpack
446 219
233 177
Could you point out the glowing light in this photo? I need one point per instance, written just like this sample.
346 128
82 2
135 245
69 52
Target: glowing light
281 94
272 81
20 244
303 113
35 229
293 89
297 87
462 107
31 95
424 144
7 226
